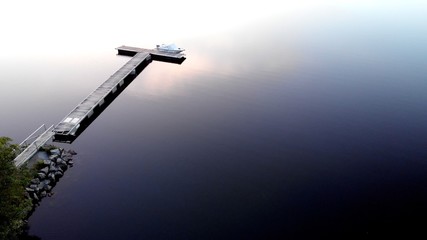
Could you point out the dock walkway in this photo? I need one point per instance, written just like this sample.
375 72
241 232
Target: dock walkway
31 149
85 109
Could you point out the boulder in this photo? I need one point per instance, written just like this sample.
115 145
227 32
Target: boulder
48 188
53 169
53 157
66 155
34 186
44 170
72 152
59 174
52 177
35 197
47 162
35 181
41 176
70 163
63 167
66 159
55 152
59 161
61 170
43 194
41 185
29 189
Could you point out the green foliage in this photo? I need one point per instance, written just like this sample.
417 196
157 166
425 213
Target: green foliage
14 206
38 165
47 148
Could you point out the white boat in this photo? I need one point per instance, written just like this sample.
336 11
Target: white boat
169 48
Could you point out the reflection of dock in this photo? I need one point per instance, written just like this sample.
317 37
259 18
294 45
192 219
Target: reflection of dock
84 113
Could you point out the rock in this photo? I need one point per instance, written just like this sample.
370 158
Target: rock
63 167
62 170
53 169
52 177
72 152
34 186
27 195
53 157
47 188
43 194
35 197
41 185
59 161
44 170
66 160
55 152
29 189
41 176
59 174
35 181
47 162
70 163
66 155
44 186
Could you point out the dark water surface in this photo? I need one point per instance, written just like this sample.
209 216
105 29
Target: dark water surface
313 125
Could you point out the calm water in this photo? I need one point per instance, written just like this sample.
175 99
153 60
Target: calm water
310 121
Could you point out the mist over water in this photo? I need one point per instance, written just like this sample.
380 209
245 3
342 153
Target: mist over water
309 121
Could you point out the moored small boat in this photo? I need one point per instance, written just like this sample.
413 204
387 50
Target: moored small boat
169 48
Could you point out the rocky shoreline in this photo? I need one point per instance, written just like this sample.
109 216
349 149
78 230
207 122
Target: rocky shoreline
49 171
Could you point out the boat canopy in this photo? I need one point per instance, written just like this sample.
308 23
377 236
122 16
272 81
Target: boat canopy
171 48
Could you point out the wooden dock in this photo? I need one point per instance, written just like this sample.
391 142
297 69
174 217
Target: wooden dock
85 109
98 99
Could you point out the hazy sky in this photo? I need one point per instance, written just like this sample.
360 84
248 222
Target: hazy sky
32 26
67 24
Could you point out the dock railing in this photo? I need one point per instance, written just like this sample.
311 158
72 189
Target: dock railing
33 135
26 150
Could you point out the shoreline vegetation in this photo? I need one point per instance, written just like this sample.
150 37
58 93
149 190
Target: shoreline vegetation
14 205
21 189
